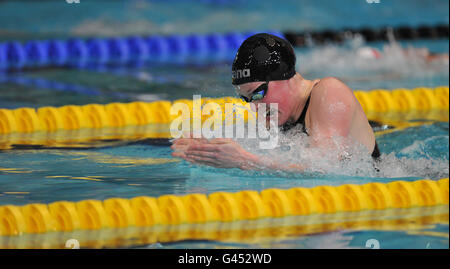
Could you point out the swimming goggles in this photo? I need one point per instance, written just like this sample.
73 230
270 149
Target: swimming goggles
258 94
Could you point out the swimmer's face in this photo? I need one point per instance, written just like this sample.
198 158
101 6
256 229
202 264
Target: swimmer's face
277 92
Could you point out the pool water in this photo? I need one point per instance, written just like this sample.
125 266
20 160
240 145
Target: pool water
54 18
143 168
133 167
48 175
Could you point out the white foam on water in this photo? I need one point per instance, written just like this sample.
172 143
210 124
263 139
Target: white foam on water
349 158
353 63
392 167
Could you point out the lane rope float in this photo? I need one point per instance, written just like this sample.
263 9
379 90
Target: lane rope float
219 206
415 220
72 117
181 49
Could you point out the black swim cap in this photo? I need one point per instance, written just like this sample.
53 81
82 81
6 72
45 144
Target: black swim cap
263 57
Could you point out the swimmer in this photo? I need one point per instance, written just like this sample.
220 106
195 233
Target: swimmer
371 53
324 108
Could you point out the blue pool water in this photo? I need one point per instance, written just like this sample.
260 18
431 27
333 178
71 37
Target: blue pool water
118 169
117 18
141 169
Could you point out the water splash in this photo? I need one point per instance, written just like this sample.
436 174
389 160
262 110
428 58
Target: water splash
350 158
367 67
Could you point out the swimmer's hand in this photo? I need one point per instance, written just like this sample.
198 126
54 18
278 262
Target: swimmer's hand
225 153
218 152
180 146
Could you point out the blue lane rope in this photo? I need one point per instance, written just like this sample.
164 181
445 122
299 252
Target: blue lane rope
184 49
77 52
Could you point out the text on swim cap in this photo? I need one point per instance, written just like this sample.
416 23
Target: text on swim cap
240 73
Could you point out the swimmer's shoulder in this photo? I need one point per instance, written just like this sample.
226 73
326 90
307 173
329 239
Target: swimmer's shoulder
330 88
332 107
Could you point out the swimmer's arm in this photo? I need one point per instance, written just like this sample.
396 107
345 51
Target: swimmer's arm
248 160
226 153
332 111
256 162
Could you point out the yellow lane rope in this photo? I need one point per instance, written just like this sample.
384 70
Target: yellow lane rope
146 211
71 117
